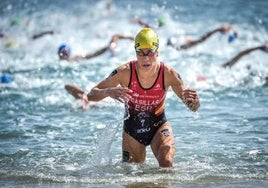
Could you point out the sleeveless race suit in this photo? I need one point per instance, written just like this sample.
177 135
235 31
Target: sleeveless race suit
145 111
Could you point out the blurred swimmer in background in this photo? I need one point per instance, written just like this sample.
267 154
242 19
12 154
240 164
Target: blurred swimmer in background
188 43
43 33
5 79
64 51
2 35
160 23
235 59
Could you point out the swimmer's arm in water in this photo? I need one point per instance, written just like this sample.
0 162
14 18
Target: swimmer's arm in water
78 93
241 54
140 22
111 46
75 91
97 53
89 55
42 34
115 38
190 43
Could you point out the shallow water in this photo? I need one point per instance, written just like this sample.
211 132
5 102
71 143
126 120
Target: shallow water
47 140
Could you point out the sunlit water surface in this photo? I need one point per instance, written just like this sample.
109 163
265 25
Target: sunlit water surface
47 140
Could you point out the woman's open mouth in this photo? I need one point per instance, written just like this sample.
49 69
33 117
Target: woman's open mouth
146 65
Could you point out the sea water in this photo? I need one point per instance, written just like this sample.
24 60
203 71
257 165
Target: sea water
48 140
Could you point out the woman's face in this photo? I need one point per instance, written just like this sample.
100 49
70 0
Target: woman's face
147 58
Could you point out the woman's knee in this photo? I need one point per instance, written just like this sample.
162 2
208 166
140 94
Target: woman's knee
133 157
166 155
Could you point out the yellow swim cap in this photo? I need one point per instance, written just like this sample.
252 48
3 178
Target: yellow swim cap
146 38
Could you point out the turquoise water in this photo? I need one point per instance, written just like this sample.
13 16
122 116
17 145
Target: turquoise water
47 140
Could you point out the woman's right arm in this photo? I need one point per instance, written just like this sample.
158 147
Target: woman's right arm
109 87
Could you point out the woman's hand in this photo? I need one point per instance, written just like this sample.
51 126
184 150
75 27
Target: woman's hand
119 93
190 99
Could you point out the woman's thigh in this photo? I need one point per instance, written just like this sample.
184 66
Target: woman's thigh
163 138
133 151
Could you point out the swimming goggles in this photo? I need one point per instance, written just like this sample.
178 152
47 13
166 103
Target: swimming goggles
149 53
